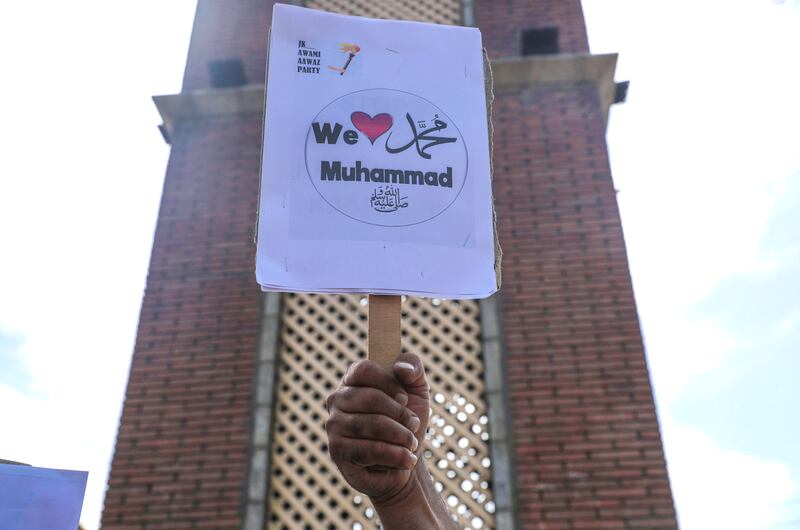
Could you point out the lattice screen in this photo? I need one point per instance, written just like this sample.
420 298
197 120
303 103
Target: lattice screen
321 336
438 11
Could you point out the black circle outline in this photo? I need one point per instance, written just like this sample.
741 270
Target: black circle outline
466 154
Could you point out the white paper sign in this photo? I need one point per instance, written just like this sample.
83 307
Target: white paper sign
375 171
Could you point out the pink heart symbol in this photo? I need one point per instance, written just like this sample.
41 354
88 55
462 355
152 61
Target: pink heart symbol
372 127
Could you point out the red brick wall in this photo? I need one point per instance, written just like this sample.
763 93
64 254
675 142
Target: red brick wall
182 447
502 23
225 30
588 451
587 445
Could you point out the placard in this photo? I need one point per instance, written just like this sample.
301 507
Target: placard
36 498
375 172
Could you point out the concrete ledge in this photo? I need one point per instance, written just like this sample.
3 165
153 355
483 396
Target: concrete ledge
209 103
518 73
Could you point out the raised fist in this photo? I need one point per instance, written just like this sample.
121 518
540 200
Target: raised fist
377 423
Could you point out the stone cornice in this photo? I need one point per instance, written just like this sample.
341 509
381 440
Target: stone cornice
509 74
209 103
528 72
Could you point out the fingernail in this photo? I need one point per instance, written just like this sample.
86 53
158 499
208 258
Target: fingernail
415 444
413 457
405 366
401 398
414 424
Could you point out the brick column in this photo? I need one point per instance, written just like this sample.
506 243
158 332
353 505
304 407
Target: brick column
502 23
587 450
181 458
225 30
182 446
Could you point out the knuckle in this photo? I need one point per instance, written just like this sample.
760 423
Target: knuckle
359 369
338 395
347 394
358 455
403 415
332 423
350 425
368 399
401 436
393 409
385 454
398 456
394 388
410 438
389 431
334 447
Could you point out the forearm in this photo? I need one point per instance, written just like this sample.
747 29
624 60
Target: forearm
417 507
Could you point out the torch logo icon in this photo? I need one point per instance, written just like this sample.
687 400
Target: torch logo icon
351 50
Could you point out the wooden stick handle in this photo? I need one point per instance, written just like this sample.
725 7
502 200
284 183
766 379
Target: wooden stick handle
384 329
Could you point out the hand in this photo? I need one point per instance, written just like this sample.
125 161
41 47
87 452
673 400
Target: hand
376 426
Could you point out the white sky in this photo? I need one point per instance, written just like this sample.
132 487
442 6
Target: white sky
705 153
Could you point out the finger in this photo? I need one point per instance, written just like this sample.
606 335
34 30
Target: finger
371 427
409 371
367 453
366 400
369 374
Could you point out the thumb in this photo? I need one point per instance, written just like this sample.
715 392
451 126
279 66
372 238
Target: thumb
409 371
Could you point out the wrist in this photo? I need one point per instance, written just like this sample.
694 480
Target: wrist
404 495
417 505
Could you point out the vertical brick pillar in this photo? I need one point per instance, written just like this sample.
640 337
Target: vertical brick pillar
587 448
502 23
226 30
182 448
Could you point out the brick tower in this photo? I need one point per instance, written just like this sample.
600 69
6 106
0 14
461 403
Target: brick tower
543 410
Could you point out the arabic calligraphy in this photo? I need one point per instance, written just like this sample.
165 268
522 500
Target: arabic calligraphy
387 199
421 174
425 135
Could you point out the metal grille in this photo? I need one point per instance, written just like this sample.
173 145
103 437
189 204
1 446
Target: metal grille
320 336
438 11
